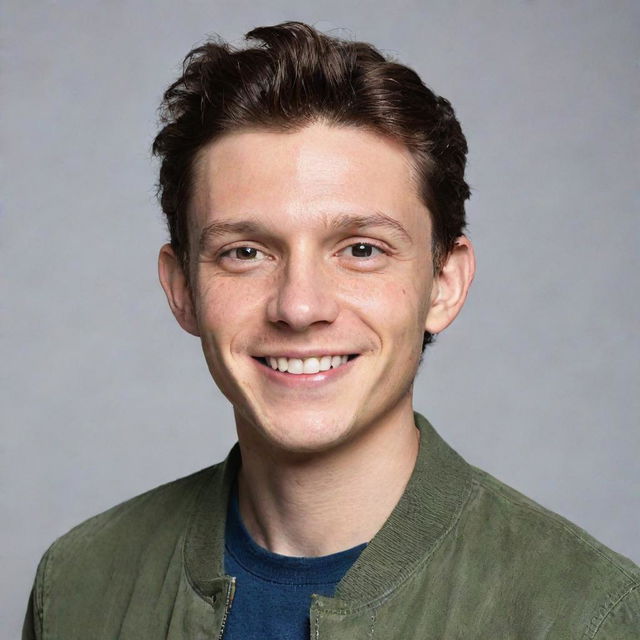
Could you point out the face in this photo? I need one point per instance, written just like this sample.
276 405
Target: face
312 282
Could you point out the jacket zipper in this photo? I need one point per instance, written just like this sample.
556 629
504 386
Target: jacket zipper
227 605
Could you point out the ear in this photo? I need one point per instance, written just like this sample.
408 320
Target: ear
451 285
177 289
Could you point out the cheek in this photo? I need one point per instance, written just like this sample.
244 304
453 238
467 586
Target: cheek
396 304
225 312
224 308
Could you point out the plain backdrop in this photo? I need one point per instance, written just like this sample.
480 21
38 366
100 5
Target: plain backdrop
103 396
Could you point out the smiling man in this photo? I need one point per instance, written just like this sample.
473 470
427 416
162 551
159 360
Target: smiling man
315 195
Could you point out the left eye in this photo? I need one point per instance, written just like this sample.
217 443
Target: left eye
363 250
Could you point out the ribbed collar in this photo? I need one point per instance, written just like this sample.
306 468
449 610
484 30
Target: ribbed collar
428 508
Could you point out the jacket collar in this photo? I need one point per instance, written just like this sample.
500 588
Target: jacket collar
428 508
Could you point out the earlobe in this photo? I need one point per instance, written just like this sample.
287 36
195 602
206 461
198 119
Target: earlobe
451 285
177 290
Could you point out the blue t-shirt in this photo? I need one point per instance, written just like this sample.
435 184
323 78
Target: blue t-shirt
273 592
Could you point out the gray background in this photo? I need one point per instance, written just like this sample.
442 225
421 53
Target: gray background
103 396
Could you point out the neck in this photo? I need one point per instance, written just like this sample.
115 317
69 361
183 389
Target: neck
319 504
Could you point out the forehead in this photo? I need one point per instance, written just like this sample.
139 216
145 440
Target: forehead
304 176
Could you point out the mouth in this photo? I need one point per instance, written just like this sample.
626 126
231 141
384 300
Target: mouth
305 366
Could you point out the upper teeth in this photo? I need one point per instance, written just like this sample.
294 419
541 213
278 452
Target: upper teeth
306 365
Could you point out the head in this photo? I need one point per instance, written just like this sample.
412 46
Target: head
299 97
295 76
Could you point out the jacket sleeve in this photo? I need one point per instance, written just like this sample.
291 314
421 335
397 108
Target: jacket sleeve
622 622
32 627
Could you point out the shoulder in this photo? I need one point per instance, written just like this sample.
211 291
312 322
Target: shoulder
121 535
545 529
542 553
138 518
89 575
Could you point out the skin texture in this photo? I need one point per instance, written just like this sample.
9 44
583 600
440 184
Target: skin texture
308 243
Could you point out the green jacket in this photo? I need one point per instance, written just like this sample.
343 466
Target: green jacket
461 556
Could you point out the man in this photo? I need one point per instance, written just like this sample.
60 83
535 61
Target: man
315 195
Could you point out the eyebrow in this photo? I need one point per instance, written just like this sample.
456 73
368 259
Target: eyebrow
339 223
227 227
377 219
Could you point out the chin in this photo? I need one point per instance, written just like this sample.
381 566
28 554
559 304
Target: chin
302 432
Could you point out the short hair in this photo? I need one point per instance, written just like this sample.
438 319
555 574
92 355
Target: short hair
294 76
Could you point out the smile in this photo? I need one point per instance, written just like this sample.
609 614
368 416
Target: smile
311 365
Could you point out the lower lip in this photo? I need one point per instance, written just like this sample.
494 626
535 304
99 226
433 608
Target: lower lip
297 380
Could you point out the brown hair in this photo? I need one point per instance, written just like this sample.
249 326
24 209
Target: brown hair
294 76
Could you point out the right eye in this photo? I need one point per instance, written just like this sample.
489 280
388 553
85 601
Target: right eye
246 254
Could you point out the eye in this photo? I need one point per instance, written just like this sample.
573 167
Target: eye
363 250
246 254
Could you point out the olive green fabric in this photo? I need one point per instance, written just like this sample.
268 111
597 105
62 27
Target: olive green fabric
461 556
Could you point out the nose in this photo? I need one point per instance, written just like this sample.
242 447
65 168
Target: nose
304 296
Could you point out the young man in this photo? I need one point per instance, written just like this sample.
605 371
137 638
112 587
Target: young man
315 198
